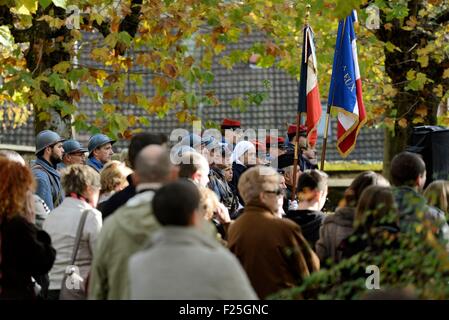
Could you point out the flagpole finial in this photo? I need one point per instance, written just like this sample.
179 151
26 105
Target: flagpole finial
307 15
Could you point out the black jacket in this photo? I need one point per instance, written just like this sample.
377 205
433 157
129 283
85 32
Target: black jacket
220 186
117 199
26 252
309 221
237 171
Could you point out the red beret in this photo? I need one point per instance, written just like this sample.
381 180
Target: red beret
271 140
259 146
292 129
229 123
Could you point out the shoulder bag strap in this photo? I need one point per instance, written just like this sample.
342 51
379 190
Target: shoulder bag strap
79 233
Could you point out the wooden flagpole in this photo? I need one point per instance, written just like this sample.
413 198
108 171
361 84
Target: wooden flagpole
298 116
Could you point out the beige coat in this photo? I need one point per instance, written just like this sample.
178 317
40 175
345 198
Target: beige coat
62 225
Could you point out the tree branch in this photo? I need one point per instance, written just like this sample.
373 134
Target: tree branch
131 21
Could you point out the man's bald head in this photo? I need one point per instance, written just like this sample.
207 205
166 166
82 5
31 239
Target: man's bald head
153 164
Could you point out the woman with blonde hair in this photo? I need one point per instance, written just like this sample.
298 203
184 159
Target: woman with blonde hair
214 211
113 179
81 184
25 251
437 195
272 251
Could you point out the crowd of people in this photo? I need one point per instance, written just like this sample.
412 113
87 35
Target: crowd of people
222 223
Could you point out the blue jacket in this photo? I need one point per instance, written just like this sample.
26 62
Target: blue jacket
94 163
304 163
48 183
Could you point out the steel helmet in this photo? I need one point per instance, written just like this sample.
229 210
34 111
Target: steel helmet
97 141
45 139
71 146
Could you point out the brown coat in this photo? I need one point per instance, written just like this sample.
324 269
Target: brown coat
272 251
335 228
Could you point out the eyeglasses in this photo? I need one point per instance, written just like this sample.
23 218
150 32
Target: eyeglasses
78 154
278 192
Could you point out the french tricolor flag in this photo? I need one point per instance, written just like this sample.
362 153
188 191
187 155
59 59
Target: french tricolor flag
309 95
345 93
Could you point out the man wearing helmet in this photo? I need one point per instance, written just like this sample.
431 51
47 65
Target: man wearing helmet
49 152
100 151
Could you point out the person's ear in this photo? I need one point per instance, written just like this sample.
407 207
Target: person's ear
316 195
262 197
421 181
195 219
174 173
48 150
196 176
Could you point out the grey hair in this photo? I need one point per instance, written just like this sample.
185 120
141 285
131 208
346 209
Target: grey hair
153 164
77 177
12 155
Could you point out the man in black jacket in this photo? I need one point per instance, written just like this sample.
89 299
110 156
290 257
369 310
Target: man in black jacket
312 193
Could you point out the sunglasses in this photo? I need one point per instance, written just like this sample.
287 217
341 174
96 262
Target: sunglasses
278 192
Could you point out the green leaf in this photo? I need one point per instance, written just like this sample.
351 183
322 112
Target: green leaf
124 38
26 7
111 40
144 121
60 3
391 47
417 81
6 38
67 109
76 74
44 3
58 83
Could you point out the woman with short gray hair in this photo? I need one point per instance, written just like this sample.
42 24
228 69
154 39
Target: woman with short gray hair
82 186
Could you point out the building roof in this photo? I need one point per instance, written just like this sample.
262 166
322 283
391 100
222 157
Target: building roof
276 112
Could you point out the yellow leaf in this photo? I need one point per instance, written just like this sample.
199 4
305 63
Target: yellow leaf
62 67
412 22
108 108
26 7
423 60
388 26
438 90
219 48
421 111
411 75
446 74
389 91
403 123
